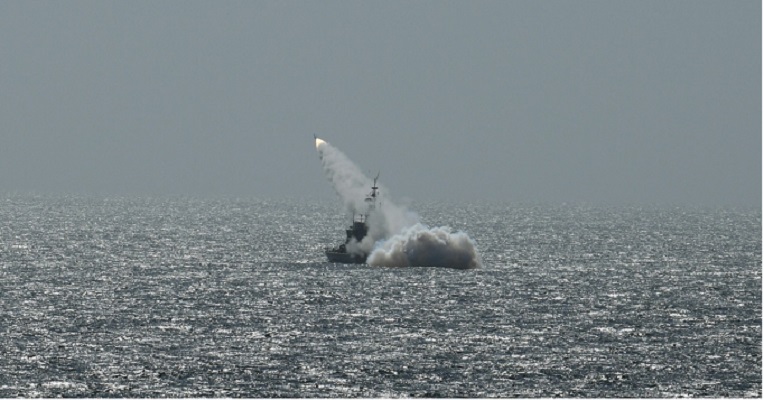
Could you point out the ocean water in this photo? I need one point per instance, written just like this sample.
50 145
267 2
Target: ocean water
128 297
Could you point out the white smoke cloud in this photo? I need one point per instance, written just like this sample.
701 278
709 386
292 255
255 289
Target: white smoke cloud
395 237
424 247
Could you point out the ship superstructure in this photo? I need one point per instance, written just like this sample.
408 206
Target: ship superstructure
357 231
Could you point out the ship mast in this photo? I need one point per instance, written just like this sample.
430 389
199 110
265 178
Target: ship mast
371 200
372 197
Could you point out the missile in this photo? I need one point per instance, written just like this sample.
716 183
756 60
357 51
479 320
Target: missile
319 142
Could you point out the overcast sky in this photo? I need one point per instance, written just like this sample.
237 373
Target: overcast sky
540 101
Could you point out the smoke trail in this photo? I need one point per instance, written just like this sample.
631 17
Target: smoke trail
346 178
395 237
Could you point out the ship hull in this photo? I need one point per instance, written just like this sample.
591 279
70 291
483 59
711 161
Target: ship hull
345 258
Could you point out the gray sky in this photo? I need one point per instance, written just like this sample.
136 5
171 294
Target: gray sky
542 101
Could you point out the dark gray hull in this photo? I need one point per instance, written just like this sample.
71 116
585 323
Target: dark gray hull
345 258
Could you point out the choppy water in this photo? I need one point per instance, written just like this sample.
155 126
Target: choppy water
142 297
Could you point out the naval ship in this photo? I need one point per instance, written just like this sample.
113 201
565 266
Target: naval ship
357 231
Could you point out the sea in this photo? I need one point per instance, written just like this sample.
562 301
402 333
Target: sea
185 297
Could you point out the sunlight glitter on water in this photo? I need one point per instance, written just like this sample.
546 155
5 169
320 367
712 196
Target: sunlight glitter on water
212 298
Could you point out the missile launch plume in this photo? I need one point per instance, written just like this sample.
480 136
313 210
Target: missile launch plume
346 178
395 237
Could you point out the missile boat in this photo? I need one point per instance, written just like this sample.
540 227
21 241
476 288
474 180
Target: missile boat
357 231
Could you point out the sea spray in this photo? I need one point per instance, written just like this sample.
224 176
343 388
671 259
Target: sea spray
395 236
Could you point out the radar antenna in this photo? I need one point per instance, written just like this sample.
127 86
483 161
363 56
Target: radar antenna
374 186
371 198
